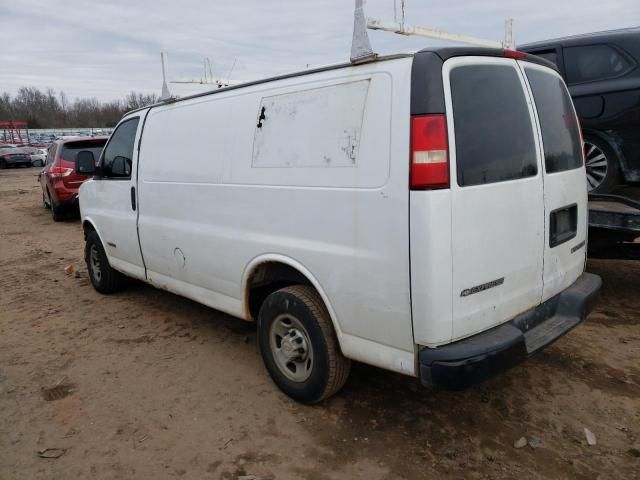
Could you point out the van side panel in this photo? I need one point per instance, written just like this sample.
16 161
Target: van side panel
210 203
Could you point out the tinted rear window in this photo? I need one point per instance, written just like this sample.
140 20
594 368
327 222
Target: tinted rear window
558 123
70 150
494 135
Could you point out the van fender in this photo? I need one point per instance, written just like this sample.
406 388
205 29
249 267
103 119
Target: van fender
94 225
275 257
88 220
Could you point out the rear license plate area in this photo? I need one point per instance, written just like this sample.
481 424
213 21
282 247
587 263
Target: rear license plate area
563 225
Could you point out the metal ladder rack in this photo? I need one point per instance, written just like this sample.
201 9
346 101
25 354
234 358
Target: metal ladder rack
361 50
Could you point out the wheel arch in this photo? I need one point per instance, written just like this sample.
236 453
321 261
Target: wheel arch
88 226
261 264
612 142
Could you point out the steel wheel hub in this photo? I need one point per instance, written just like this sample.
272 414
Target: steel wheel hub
291 348
94 261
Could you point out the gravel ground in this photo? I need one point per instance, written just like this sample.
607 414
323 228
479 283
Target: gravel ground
146 384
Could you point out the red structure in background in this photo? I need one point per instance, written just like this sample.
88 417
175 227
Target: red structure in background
14 132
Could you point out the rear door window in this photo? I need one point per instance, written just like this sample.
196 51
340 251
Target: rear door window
594 62
493 132
558 122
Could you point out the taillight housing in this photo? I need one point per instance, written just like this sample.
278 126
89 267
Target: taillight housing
59 172
429 152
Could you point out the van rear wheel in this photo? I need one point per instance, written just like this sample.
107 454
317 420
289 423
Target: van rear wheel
299 346
103 278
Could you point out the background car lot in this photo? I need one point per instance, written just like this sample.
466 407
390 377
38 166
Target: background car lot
14 157
159 386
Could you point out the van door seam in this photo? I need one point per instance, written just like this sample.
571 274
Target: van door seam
144 265
540 149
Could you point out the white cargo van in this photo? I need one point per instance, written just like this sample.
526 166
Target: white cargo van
425 213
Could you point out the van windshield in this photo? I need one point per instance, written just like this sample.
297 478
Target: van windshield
558 121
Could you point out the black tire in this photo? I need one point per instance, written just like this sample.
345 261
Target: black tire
56 212
602 164
329 368
3 164
103 278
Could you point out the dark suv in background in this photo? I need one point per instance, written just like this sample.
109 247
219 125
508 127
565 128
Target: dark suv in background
602 71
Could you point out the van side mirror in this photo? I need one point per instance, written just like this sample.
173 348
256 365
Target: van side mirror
85 163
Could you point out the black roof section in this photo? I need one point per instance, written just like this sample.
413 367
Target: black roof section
427 91
584 38
445 53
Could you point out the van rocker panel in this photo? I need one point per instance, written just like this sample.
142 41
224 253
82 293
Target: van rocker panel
461 364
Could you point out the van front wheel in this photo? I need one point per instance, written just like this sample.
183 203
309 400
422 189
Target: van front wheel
299 346
103 278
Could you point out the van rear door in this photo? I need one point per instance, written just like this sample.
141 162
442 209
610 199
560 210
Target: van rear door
497 204
565 187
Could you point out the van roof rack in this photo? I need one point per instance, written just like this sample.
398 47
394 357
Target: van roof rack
361 50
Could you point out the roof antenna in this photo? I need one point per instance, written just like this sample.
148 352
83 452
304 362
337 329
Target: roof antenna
165 95
361 50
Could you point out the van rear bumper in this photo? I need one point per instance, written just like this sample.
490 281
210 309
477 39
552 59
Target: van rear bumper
461 364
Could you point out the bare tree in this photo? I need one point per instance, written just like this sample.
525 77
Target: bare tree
48 110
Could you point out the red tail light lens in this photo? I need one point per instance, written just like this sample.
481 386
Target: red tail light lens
515 54
429 153
58 172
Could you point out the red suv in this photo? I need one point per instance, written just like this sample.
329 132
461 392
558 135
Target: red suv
58 178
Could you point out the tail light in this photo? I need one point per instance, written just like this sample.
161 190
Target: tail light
518 55
429 153
59 172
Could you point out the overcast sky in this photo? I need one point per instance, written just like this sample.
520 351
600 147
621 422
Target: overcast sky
105 49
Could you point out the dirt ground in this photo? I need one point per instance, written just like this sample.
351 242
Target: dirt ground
145 384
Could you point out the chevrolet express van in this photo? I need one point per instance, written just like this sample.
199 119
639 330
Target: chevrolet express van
425 213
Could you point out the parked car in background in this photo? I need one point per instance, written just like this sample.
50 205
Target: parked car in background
59 180
14 157
39 158
602 71
32 150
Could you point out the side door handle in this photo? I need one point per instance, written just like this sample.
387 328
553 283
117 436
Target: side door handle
133 198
